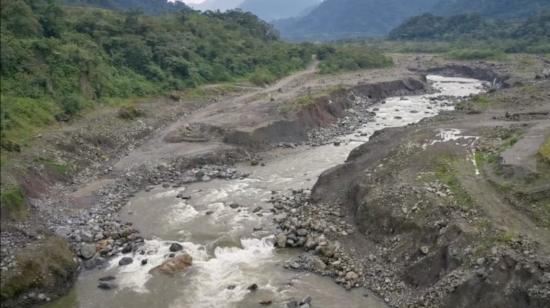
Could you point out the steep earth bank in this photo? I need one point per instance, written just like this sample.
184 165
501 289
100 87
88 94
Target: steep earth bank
445 219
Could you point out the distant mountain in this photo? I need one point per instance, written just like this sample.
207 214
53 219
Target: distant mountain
149 7
496 9
338 19
278 9
222 5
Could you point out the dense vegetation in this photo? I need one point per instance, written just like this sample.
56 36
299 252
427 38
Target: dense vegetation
57 60
150 7
431 27
349 58
12 202
494 9
531 35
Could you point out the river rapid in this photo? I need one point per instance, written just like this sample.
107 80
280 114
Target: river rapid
232 246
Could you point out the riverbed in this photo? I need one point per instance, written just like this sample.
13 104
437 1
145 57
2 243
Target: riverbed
227 227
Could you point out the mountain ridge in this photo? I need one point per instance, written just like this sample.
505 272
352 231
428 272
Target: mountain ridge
342 19
278 9
337 19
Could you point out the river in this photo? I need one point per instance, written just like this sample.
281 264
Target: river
232 246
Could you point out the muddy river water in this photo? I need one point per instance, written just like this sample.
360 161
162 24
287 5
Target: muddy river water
232 246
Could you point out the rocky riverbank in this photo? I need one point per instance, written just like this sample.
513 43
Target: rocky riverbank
96 234
403 271
315 228
432 229
399 218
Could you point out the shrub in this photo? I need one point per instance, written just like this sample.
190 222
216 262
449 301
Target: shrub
476 54
13 203
129 112
9 145
446 172
54 266
262 77
72 104
350 58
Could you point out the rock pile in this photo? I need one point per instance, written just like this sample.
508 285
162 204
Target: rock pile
315 228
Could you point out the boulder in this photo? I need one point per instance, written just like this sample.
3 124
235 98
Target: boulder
106 286
310 243
280 240
174 265
104 245
266 302
327 250
107 278
126 249
87 251
306 301
317 264
125 261
174 247
292 304
352 276
253 287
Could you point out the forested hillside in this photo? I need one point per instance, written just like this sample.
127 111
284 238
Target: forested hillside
151 7
57 60
496 9
531 35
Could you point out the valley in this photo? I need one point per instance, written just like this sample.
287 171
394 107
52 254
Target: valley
155 155
239 173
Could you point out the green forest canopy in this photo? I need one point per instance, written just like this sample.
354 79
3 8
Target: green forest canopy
56 60
149 7
531 35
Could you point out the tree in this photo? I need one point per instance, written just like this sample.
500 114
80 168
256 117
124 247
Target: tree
18 18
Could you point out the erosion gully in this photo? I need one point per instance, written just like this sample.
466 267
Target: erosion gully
232 246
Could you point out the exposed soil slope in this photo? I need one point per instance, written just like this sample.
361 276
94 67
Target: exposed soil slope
454 210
